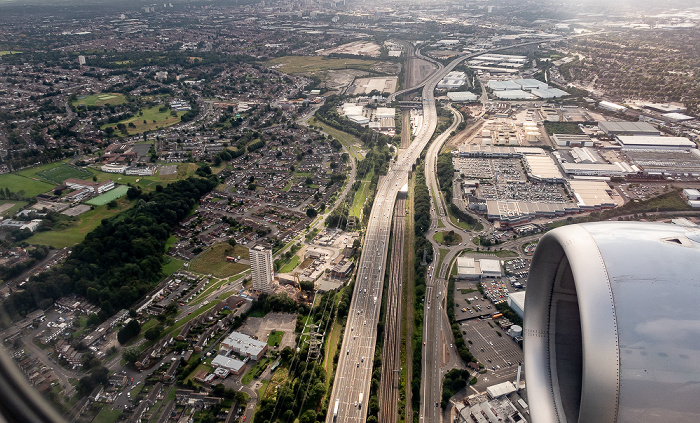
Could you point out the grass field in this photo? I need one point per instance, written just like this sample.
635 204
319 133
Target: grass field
86 222
171 265
184 170
151 119
358 202
25 186
58 174
291 265
213 261
107 415
5 52
108 196
314 64
275 338
440 238
17 206
251 373
101 99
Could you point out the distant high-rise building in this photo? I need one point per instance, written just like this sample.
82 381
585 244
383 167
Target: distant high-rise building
81 60
261 268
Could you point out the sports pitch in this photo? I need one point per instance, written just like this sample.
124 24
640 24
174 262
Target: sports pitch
100 99
59 174
26 186
108 196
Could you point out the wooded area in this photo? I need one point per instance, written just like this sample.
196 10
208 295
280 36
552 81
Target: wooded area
119 261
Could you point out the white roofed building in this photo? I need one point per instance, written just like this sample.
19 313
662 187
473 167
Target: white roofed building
462 96
516 301
244 345
231 364
471 268
655 143
501 389
452 80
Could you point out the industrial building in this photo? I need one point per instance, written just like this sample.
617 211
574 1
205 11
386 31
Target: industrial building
583 161
471 268
613 107
452 80
516 301
570 140
541 167
261 268
523 89
692 196
355 113
244 345
460 96
628 128
513 95
655 143
666 162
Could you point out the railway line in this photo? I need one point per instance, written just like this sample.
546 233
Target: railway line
391 353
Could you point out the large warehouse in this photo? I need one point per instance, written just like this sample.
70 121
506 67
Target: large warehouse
655 143
628 128
452 80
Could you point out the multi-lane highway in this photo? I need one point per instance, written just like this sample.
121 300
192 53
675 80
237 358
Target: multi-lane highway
350 392
354 370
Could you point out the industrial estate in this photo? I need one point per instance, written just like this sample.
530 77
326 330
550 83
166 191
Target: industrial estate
314 211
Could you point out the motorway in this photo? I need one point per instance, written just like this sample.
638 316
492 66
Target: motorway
354 371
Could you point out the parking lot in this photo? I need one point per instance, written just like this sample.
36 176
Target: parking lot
469 303
499 354
261 327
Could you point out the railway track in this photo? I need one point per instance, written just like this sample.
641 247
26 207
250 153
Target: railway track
391 354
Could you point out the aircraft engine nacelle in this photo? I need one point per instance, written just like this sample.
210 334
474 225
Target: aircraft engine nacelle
612 324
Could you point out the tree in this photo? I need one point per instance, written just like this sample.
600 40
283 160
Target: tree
153 333
129 331
308 417
130 355
94 178
311 212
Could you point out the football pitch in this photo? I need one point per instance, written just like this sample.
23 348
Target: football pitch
59 174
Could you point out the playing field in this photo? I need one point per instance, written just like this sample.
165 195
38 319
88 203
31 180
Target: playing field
100 99
4 52
85 223
152 118
25 186
213 261
108 196
59 174
314 64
